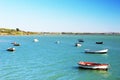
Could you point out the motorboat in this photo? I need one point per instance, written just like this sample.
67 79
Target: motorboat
96 51
16 44
93 65
11 49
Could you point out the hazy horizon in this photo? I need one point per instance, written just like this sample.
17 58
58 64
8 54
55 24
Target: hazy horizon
61 15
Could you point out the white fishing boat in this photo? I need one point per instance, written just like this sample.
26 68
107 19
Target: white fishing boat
96 51
35 40
78 44
93 65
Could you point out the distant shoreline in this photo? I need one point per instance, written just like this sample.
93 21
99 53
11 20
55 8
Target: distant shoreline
4 31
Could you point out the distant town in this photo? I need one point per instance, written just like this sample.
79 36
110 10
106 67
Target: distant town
17 31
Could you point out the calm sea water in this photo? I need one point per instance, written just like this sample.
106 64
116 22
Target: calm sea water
46 60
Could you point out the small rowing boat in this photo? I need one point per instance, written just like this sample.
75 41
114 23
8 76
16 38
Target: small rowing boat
100 42
93 65
96 51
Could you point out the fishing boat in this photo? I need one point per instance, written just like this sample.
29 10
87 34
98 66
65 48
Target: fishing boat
11 49
80 40
57 42
78 44
35 40
100 42
96 51
93 65
16 44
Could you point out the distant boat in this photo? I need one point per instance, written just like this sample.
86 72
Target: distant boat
13 43
80 40
100 42
78 44
57 42
11 49
35 40
16 44
96 51
93 65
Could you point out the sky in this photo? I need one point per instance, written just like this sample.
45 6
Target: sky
61 15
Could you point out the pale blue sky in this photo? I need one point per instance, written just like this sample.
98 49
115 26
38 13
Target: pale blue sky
61 15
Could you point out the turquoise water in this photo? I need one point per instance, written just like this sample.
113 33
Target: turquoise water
46 60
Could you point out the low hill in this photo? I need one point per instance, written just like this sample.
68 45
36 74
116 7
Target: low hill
17 31
5 31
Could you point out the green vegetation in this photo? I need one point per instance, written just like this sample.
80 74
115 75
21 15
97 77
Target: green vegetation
17 31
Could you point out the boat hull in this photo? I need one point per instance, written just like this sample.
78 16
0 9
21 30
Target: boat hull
94 67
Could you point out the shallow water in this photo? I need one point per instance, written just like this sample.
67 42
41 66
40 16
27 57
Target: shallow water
46 60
